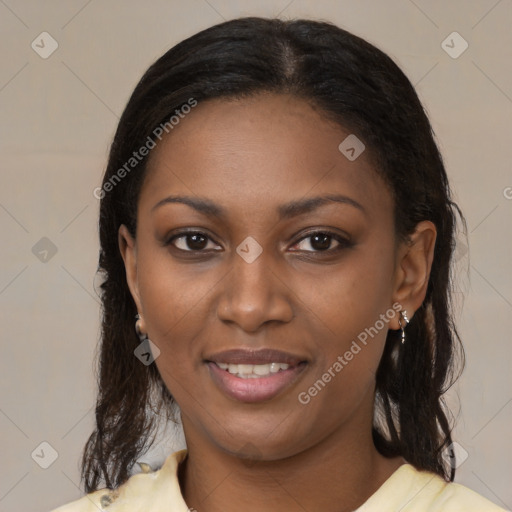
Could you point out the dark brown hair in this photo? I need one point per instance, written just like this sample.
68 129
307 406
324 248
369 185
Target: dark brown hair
363 90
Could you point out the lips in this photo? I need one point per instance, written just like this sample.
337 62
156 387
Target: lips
254 375
259 356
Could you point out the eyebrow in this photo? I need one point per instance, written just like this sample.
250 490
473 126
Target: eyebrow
285 211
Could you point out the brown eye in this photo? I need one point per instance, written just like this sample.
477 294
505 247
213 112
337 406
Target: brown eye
191 242
321 241
196 242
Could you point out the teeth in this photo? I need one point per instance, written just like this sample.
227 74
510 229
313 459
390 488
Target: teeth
244 369
261 369
253 371
274 367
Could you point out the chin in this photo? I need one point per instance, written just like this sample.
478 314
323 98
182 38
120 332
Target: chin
257 444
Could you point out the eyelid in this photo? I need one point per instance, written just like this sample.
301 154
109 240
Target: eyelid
343 240
183 233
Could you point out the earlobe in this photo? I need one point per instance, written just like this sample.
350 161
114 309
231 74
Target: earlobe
128 250
414 264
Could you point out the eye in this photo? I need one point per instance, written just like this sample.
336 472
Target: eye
321 241
318 241
191 241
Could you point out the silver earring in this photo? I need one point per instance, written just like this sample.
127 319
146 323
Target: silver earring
147 351
140 334
402 322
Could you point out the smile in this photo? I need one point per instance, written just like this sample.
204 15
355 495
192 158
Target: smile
253 376
253 371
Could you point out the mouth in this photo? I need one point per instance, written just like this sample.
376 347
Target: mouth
253 371
254 376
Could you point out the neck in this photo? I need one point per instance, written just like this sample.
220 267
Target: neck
338 474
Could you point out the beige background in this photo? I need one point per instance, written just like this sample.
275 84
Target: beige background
58 118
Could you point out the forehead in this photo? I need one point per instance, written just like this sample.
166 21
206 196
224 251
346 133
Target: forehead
258 151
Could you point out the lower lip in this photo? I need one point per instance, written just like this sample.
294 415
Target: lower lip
254 390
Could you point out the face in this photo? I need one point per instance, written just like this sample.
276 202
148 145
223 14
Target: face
265 267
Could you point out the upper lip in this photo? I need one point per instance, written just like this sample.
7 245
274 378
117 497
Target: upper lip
255 356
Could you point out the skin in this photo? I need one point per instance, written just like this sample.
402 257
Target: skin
250 156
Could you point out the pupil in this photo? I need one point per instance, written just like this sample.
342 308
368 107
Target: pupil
196 242
321 241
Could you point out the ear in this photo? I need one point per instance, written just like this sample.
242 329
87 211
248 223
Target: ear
128 251
414 262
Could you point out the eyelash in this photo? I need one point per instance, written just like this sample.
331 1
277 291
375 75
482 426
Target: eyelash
342 241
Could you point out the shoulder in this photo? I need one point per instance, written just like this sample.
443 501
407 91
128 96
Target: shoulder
460 498
149 491
411 490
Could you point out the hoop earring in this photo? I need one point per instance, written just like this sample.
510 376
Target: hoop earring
403 317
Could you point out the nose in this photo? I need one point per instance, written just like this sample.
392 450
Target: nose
254 295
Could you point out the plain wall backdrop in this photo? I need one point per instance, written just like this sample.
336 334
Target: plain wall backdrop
58 115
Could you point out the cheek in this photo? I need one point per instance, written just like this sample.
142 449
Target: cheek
354 310
351 296
175 307
342 380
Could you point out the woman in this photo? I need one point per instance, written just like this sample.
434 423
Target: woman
276 235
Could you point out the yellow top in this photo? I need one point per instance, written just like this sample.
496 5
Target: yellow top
406 490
